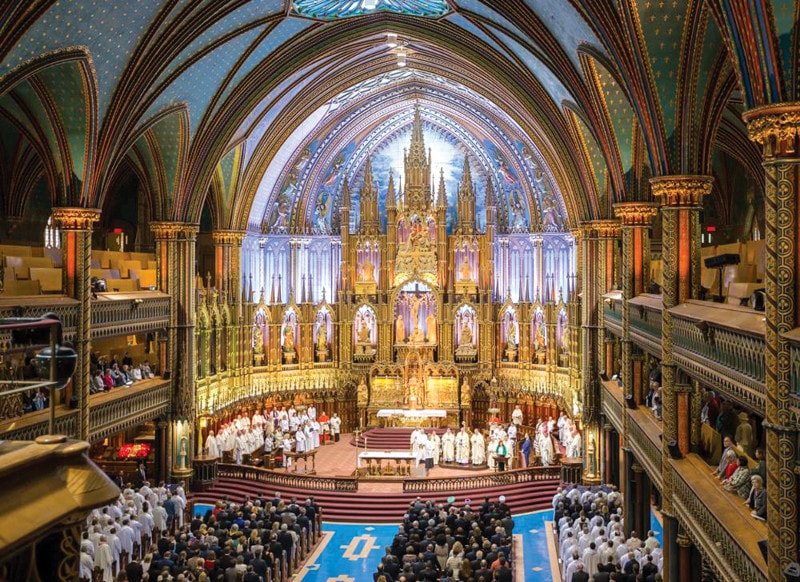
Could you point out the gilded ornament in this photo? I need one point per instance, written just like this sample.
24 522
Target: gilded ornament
635 213
174 230
76 218
681 190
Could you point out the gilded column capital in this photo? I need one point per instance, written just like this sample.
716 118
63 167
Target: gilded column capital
175 230
776 128
636 213
76 218
228 237
683 541
605 228
681 190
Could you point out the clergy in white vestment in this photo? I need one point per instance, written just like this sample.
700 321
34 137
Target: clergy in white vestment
105 560
574 448
546 450
312 412
300 441
86 567
448 446
516 416
478 448
437 446
462 447
316 429
212 448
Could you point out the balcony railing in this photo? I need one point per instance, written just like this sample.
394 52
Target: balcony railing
644 433
109 413
645 318
139 403
722 346
612 312
115 314
612 404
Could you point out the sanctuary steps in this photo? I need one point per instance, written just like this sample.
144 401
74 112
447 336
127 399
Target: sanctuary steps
389 439
382 507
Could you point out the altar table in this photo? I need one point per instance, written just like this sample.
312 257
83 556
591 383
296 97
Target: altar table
387 463
422 414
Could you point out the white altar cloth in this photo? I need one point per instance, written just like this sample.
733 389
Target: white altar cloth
421 413
384 455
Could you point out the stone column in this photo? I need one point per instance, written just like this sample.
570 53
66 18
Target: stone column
175 252
76 246
597 266
681 201
639 493
777 129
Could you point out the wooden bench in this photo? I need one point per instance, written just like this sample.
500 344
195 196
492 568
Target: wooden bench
122 285
50 278
16 288
147 277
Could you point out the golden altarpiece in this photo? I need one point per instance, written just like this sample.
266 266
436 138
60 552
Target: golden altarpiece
418 315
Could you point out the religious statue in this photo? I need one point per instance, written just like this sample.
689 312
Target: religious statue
415 301
288 337
399 329
322 338
465 270
430 324
466 334
368 271
364 332
511 335
414 391
363 392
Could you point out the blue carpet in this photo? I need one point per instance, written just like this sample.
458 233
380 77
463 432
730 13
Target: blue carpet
352 551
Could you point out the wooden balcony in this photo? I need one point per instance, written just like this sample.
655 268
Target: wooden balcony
113 314
644 439
612 312
613 404
717 521
109 413
645 318
722 346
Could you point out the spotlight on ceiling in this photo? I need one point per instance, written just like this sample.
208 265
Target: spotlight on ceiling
369 4
391 39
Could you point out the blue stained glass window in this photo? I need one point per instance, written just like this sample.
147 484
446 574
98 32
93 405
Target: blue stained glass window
333 9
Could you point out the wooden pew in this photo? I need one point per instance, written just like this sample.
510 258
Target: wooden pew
50 278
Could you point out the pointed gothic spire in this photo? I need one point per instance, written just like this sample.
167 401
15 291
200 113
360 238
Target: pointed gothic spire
391 200
346 192
442 202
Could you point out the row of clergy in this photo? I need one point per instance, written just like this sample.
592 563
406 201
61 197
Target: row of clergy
245 435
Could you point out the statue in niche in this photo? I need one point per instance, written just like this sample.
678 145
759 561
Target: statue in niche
288 338
363 392
414 391
430 324
466 334
511 335
364 332
465 269
367 271
322 338
415 301
399 329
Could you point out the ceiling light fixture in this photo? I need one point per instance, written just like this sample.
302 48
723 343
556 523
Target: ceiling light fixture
369 4
391 39
401 57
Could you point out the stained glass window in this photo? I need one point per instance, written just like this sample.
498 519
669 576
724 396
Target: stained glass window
52 235
333 9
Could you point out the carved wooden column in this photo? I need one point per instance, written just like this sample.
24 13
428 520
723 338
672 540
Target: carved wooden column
76 225
228 260
597 266
175 252
684 558
777 129
681 201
